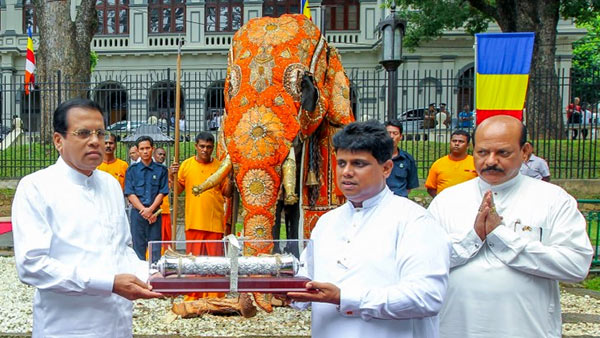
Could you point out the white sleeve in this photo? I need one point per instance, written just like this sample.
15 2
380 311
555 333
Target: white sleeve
32 238
463 246
423 263
304 271
564 254
544 169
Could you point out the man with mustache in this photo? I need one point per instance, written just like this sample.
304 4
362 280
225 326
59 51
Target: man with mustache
513 238
453 168
146 184
380 261
72 237
112 165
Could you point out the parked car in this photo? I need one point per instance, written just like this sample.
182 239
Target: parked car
124 126
413 114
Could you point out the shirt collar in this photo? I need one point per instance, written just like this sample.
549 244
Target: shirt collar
373 201
74 175
484 186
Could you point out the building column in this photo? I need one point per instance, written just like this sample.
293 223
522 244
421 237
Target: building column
195 13
252 9
138 23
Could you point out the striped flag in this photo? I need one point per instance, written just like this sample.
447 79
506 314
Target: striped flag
305 9
503 63
29 63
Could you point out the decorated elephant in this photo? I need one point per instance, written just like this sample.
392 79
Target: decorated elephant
285 88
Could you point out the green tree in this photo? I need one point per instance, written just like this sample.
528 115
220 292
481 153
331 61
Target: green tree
64 46
427 19
586 63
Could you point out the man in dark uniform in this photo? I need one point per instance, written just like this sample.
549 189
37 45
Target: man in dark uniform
146 183
404 173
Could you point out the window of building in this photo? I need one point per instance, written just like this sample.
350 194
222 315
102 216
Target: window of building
113 16
223 15
275 8
166 16
29 17
341 15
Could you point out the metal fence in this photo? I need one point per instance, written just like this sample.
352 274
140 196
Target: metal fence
592 217
129 100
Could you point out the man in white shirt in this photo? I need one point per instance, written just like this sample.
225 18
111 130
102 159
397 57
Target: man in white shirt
380 261
513 238
71 236
534 166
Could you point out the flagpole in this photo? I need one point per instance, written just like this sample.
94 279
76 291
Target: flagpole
176 152
29 121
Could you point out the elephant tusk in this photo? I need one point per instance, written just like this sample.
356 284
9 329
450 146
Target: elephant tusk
289 178
216 178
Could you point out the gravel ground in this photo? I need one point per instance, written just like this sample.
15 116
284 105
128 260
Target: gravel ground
150 316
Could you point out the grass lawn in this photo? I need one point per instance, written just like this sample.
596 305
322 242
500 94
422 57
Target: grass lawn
567 159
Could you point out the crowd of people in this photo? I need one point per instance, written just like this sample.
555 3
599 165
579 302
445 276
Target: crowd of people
484 260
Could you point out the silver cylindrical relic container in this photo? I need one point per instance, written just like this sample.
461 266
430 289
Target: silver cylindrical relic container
276 265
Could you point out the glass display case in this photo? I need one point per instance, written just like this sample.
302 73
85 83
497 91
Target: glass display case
227 266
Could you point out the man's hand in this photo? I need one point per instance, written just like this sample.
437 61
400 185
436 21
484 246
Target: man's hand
130 287
482 213
325 293
493 219
487 218
174 169
146 213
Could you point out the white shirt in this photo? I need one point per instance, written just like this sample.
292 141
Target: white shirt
390 261
71 238
535 167
506 286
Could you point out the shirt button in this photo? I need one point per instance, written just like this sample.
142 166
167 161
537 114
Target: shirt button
491 245
477 245
348 242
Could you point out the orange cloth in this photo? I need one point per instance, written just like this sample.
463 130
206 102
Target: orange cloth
446 172
204 249
117 169
203 212
166 219
166 227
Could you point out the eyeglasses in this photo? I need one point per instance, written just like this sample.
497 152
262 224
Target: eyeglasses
84 134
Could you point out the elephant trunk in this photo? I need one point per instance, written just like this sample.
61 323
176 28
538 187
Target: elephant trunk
216 178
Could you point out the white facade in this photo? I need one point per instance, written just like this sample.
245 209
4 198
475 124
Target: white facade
433 72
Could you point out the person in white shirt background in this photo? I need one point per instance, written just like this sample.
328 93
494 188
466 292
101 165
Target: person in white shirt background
380 261
534 166
72 239
513 238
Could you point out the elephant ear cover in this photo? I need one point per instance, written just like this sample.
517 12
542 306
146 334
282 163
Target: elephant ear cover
310 93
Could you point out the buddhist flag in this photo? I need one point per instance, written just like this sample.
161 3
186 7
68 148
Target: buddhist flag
304 8
29 63
503 63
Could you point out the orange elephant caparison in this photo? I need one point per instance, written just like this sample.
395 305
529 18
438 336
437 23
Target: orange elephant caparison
285 87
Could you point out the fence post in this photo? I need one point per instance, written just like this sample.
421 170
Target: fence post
59 84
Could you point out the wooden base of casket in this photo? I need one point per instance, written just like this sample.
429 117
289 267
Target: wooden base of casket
221 284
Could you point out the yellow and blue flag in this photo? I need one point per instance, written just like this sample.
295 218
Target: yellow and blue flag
503 64
304 8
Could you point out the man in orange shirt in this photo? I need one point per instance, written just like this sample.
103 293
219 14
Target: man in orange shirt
204 214
111 164
454 168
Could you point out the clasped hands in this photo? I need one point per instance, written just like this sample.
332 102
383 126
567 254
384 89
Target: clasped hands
148 215
487 218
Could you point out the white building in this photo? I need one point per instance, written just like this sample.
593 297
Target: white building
137 42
